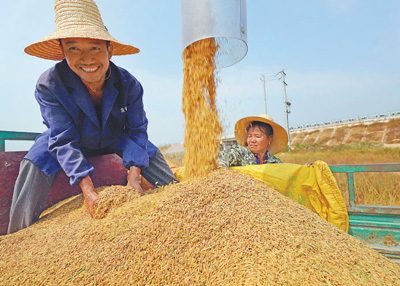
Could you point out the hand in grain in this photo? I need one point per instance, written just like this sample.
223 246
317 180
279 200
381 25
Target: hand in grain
134 179
89 194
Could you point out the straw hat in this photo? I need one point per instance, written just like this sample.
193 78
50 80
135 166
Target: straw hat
76 19
279 141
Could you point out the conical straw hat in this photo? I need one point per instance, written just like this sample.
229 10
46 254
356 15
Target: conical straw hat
76 19
280 137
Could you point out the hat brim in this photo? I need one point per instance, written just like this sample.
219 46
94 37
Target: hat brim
49 47
280 137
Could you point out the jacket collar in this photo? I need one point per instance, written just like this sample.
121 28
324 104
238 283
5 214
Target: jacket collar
80 94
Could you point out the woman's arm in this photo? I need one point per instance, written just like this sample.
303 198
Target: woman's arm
231 156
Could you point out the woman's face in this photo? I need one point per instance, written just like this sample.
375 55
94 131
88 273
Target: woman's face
257 140
88 58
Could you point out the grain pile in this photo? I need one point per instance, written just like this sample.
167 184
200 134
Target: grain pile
225 229
202 127
113 197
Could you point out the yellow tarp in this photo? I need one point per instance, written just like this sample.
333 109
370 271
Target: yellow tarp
314 187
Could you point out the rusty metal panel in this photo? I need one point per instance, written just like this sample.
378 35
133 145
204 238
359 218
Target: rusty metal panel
380 231
109 170
377 226
390 210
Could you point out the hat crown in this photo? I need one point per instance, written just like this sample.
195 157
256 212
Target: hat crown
266 116
73 13
76 19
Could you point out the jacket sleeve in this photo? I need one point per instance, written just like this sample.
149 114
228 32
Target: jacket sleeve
230 157
135 145
64 137
274 160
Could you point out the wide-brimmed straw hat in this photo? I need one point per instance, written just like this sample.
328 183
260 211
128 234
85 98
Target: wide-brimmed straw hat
280 137
76 19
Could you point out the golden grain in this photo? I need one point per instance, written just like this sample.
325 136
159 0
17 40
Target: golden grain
225 229
202 127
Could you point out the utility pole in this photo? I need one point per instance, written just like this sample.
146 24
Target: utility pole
265 97
287 103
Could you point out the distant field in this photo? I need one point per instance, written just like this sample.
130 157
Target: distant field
372 188
380 131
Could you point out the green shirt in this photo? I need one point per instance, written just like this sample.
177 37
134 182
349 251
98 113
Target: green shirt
237 155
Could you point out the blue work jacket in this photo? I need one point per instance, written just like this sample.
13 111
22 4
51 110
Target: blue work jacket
74 130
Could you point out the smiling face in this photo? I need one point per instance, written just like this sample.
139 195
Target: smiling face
257 140
88 58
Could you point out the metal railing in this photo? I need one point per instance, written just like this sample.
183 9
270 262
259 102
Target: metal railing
13 135
349 170
377 226
348 120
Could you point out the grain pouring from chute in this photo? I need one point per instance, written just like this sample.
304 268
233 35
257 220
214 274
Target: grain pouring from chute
214 36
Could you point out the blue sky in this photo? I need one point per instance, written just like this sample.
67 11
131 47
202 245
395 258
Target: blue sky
341 58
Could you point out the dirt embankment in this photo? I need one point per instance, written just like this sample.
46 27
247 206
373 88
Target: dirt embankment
380 131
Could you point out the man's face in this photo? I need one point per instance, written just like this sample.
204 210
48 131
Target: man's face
88 58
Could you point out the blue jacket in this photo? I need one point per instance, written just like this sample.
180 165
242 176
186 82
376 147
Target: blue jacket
74 130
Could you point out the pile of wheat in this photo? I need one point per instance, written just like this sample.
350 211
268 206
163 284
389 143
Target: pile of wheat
225 229
202 127
112 198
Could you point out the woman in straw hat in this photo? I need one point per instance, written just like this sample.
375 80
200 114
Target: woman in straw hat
259 139
90 107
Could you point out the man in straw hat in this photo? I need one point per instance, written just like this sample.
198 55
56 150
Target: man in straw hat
260 138
91 107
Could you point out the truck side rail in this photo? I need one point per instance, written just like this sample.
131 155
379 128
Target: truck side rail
351 169
13 135
377 226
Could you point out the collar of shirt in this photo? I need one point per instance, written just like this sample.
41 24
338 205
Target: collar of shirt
266 157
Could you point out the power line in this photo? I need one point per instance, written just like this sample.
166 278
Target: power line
281 76
265 97
263 79
286 102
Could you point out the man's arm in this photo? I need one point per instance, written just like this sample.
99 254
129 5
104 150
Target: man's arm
64 137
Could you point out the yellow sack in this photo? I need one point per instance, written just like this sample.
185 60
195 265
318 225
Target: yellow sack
314 187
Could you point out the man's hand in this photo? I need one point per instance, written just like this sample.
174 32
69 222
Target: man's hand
89 194
134 179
